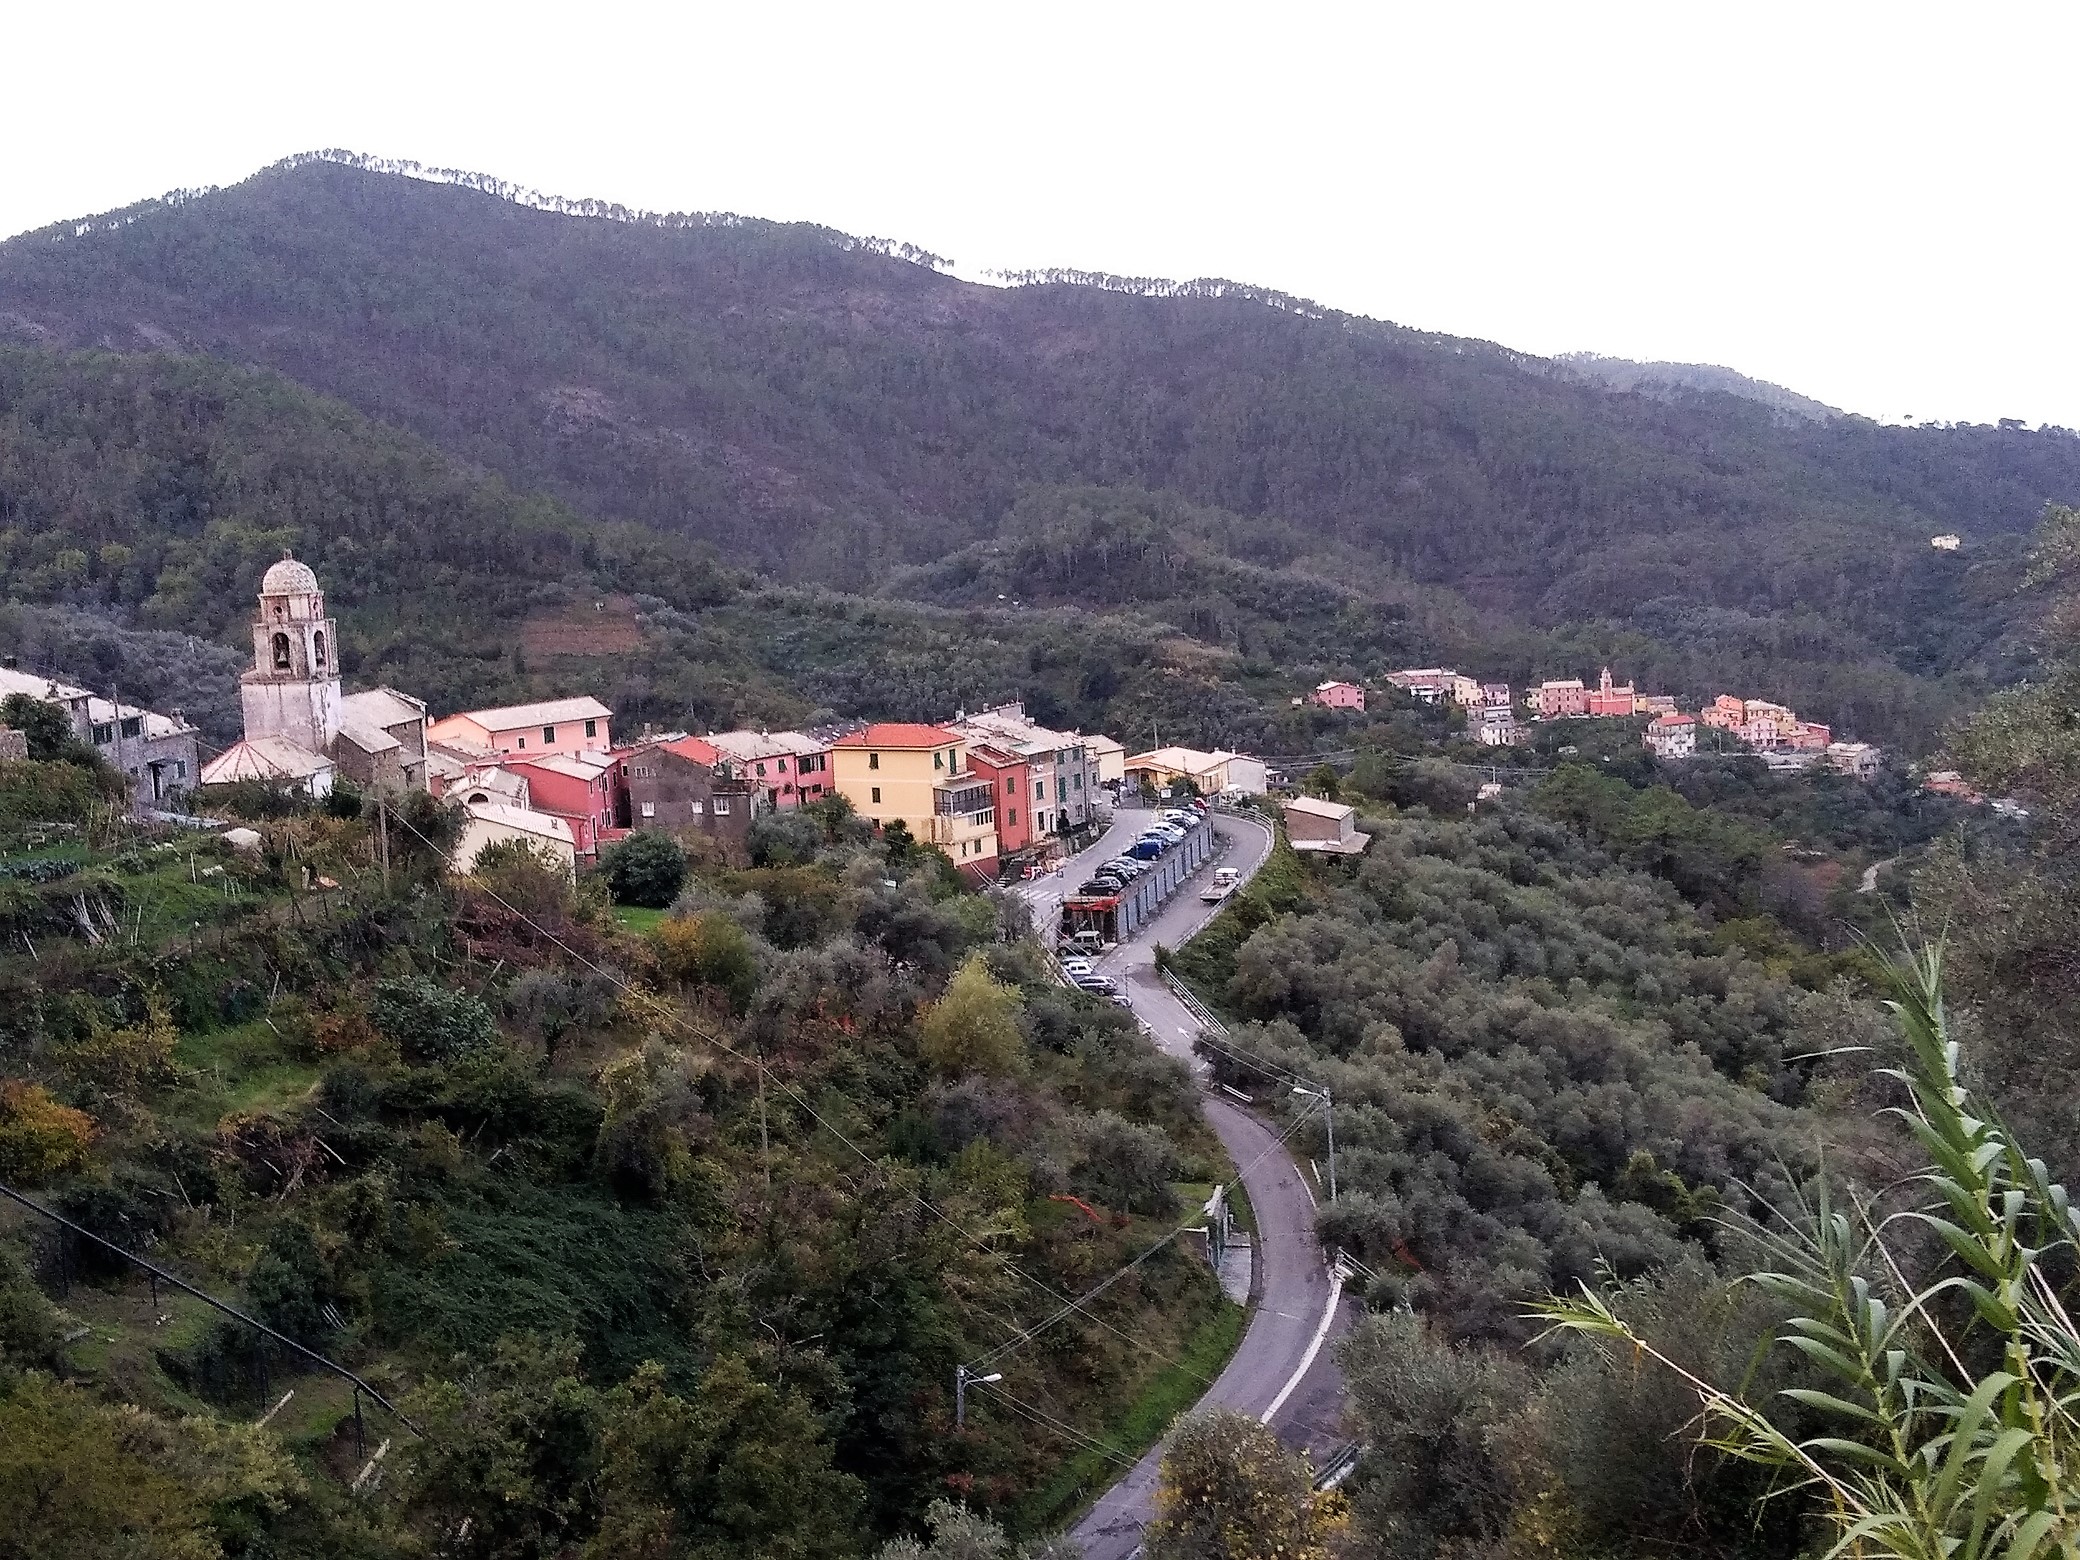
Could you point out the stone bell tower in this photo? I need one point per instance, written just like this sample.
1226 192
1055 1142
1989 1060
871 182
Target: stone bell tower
293 689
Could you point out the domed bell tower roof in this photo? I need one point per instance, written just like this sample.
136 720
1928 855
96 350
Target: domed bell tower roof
288 578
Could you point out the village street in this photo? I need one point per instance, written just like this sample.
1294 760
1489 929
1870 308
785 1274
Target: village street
1282 1371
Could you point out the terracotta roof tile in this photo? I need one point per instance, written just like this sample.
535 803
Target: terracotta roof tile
898 734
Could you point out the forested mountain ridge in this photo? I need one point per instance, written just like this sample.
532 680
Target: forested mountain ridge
826 411
1673 380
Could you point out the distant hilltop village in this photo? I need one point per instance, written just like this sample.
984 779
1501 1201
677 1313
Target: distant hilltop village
1776 733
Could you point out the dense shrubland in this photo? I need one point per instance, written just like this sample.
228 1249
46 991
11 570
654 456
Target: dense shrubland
1606 1030
520 1166
1540 1060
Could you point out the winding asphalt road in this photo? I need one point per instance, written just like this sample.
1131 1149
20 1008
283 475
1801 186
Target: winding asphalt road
1282 1372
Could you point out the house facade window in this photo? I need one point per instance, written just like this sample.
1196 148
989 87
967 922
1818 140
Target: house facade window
592 728
180 769
649 809
721 805
1013 816
874 762
697 808
281 652
104 732
877 795
548 735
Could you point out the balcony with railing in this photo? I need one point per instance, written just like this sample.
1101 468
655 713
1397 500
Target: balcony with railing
963 806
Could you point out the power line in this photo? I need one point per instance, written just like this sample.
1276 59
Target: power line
1004 1350
672 1016
232 1311
1048 1421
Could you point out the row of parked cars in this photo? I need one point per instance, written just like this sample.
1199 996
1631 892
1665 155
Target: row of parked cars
1170 827
1114 876
1085 978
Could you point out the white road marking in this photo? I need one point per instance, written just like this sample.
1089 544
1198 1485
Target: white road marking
1314 1347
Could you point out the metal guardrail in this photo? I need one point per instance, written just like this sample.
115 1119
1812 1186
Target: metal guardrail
1193 1005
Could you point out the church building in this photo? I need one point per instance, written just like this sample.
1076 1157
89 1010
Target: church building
299 728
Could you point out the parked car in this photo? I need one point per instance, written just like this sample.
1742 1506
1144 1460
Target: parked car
1097 983
1146 850
1075 967
1103 887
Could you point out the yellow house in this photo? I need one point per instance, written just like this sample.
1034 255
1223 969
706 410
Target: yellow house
920 774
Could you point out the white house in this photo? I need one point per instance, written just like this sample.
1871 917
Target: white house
491 823
1671 736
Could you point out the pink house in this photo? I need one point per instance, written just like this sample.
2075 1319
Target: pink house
1559 698
553 726
792 768
1338 696
1725 713
576 787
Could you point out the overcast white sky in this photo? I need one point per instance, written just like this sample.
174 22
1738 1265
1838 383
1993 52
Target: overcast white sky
1872 204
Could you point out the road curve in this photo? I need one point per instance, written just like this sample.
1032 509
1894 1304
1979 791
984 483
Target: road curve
1282 1362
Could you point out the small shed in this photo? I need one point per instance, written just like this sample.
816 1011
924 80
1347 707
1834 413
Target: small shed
1324 828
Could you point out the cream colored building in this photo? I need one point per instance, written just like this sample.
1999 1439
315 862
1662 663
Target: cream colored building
492 823
919 774
1216 773
1323 828
1108 755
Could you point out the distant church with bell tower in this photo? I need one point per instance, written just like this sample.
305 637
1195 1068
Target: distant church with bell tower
300 729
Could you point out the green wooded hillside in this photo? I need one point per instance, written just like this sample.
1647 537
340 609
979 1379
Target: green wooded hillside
827 411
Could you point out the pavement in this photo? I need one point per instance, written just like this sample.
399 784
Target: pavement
1282 1372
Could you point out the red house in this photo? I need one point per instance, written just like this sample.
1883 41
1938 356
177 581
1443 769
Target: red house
1338 696
576 787
1007 774
1608 698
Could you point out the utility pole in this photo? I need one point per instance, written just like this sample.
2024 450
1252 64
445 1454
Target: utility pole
962 1376
383 838
765 1148
1329 1119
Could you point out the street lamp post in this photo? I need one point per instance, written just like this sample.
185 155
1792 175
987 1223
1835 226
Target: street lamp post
1329 1119
962 1377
